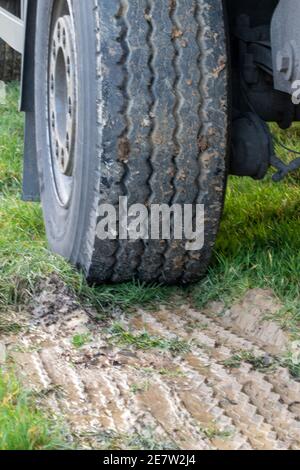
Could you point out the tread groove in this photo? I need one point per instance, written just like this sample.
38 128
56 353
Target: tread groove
123 141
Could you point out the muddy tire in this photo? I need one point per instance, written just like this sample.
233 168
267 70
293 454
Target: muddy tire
10 60
131 100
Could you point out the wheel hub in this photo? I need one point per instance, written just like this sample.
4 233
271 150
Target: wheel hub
62 103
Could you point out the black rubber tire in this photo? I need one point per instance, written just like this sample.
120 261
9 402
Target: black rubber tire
10 60
154 125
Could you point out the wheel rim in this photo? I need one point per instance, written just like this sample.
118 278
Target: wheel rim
62 121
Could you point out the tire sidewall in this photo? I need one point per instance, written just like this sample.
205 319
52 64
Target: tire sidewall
65 225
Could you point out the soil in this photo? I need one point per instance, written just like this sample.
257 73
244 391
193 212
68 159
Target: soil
210 395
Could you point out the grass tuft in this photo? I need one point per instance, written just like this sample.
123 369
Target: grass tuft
260 363
146 440
7 326
264 363
79 341
212 432
22 425
122 337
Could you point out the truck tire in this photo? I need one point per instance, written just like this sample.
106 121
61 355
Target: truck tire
131 99
10 60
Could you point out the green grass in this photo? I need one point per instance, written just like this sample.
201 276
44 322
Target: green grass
212 432
11 135
292 365
260 363
263 363
7 325
122 337
259 243
79 341
146 440
22 425
140 387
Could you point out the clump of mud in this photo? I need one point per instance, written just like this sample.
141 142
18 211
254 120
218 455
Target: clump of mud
53 301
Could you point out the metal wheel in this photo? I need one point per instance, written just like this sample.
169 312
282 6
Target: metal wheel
62 105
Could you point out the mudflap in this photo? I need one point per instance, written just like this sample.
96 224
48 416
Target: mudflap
31 190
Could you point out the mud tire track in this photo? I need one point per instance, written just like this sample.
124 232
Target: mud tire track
186 400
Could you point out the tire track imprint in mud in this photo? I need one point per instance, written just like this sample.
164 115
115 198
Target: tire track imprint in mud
112 394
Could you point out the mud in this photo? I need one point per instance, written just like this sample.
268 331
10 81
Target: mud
118 396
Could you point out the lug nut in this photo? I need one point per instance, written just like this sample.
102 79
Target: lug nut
54 48
68 66
62 159
70 106
67 142
58 31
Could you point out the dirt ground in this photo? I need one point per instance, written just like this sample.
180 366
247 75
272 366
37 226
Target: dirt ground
222 390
